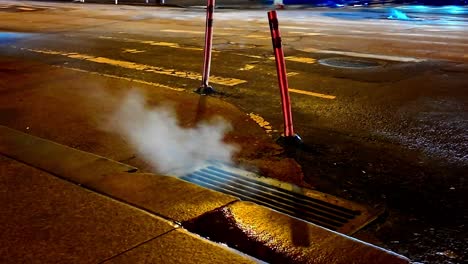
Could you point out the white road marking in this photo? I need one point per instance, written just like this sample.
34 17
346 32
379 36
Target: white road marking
365 55
26 8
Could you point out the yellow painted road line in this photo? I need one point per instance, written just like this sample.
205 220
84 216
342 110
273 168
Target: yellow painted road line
301 59
247 67
217 33
324 96
132 51
250 56
254 36
26 8
182 31
168 44
298 59
125 78
152 43
295 27
261 122
306 33
193 32
290 74
142 67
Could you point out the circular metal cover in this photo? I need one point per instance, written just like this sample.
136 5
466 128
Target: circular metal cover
350 63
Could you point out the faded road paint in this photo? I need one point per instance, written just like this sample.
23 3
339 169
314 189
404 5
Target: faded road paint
183 31
365 55
132 51
298 59
125 78
324 96
306 33
261 122
153 43
142 67
257 36
254 36
301 59
26 8
247 67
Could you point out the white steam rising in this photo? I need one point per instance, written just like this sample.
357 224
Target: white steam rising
172 149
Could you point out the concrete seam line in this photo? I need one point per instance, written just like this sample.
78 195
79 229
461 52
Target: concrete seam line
122 201
137 245
95 191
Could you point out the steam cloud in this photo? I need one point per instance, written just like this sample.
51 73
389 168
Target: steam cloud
172 149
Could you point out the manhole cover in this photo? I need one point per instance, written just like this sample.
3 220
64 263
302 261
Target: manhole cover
18 8
348 63
309 205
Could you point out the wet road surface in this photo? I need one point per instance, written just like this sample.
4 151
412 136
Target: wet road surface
381 105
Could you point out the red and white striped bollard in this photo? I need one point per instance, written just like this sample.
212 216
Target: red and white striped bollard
205 88
289 136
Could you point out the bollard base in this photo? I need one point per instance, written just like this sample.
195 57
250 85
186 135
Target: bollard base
205 90
290 141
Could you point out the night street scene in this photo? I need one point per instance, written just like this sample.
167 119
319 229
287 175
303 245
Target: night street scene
234 131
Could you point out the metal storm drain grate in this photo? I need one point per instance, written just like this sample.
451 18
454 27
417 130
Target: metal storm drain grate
348 63
312 206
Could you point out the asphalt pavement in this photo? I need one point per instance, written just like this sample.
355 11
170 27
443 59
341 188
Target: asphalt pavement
380 103
65 205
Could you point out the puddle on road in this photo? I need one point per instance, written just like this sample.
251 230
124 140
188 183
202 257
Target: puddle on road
12 37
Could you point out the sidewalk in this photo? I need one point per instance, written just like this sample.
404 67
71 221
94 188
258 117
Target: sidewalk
67 199
48 220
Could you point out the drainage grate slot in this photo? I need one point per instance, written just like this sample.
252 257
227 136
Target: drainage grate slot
220 178
279 196
245 197
266 200
285 193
